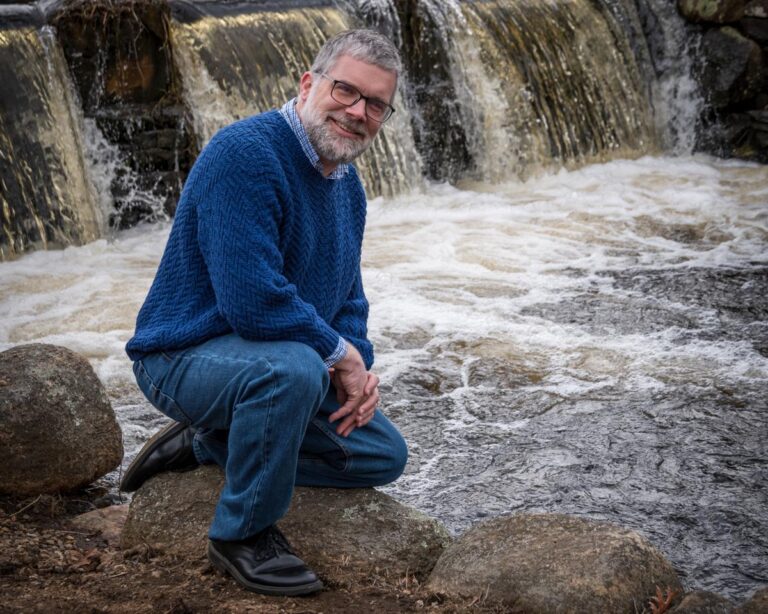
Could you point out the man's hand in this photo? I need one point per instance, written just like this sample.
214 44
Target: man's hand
356 390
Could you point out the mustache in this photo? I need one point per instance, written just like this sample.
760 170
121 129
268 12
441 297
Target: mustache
358 127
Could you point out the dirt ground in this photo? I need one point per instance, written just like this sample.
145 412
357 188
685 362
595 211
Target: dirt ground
48 566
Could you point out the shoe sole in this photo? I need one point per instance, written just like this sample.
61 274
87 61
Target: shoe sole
223 565
158 438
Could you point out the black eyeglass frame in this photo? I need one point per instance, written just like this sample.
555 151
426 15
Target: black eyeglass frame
359 97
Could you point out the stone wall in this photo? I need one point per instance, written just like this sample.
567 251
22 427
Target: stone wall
120 57
733 72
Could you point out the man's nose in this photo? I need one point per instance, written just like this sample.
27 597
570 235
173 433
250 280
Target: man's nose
357 110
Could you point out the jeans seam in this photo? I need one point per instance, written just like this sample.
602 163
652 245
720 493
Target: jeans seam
154 388
336 440
265 455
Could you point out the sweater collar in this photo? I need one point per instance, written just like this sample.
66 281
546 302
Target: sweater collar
288 111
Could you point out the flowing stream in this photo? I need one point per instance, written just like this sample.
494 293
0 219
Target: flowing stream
592 342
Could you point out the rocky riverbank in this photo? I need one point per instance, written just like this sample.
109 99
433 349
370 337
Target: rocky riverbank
733 73
83 552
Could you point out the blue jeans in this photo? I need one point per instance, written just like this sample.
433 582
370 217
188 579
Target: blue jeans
262 412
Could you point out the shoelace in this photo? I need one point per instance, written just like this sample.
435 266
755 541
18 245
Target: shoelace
278 541
271 543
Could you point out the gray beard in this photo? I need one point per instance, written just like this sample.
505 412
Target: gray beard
330 146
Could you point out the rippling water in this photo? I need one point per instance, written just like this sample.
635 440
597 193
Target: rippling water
593 342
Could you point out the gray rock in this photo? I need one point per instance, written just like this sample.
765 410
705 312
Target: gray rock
758 604
733 67
57 428
755 28
703 602
345 535
106 521
174 510
542 563
712 11
756 8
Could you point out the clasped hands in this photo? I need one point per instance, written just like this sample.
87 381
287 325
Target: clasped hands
357 391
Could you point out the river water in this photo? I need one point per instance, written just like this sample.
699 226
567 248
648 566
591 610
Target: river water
591 342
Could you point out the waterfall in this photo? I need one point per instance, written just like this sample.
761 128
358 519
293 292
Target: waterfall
527 85
103 115
46 199
236 65
664 45
677 101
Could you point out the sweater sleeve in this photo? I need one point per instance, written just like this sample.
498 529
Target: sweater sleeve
239 218
351 321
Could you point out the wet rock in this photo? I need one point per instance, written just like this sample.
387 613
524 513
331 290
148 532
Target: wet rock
343 534
119 55
734 68
703 602
755 28
712 11
57 428
107 521
756 8
539 563
501 373
758 604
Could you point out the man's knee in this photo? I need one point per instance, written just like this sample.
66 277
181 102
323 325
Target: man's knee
394 459
301 373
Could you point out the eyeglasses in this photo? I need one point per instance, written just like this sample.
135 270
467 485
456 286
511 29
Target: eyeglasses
348 95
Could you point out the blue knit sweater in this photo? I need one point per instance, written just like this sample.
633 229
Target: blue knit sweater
262 245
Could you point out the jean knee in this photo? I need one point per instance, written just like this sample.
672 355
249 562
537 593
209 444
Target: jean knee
393 463
304 374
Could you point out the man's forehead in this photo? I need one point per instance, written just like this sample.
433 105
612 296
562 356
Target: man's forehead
370 79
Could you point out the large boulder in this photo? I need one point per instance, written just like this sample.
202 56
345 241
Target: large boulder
345 535
57 428
541 563
733 67
704 602
712 11
758 603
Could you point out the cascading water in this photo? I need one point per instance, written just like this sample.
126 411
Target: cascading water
664 46
234 66
46 198
532 85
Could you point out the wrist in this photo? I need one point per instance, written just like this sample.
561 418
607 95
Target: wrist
341 351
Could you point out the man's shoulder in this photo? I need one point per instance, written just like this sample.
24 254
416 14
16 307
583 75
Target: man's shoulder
257 135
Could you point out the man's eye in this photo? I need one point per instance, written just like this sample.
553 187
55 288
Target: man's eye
377 106
345 89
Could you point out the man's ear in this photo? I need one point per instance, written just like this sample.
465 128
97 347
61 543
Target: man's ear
305 84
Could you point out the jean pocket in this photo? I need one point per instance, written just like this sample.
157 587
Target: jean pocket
156 396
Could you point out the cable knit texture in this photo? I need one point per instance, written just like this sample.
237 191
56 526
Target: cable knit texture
263 245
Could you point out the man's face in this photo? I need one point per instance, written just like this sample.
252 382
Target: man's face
338 133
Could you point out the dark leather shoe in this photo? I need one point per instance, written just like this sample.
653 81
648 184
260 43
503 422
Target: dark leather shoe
170 449
264 563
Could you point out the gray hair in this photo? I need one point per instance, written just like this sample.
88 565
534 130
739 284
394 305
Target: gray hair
365 45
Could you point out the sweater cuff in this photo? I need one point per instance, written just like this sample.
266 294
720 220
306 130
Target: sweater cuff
339 353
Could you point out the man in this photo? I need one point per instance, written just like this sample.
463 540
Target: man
253 337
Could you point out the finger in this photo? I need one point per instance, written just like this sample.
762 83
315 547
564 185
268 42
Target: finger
366 418
371 384
341 395
346 426
349 407
369 404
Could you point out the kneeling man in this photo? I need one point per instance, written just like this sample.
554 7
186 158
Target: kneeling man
253 337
